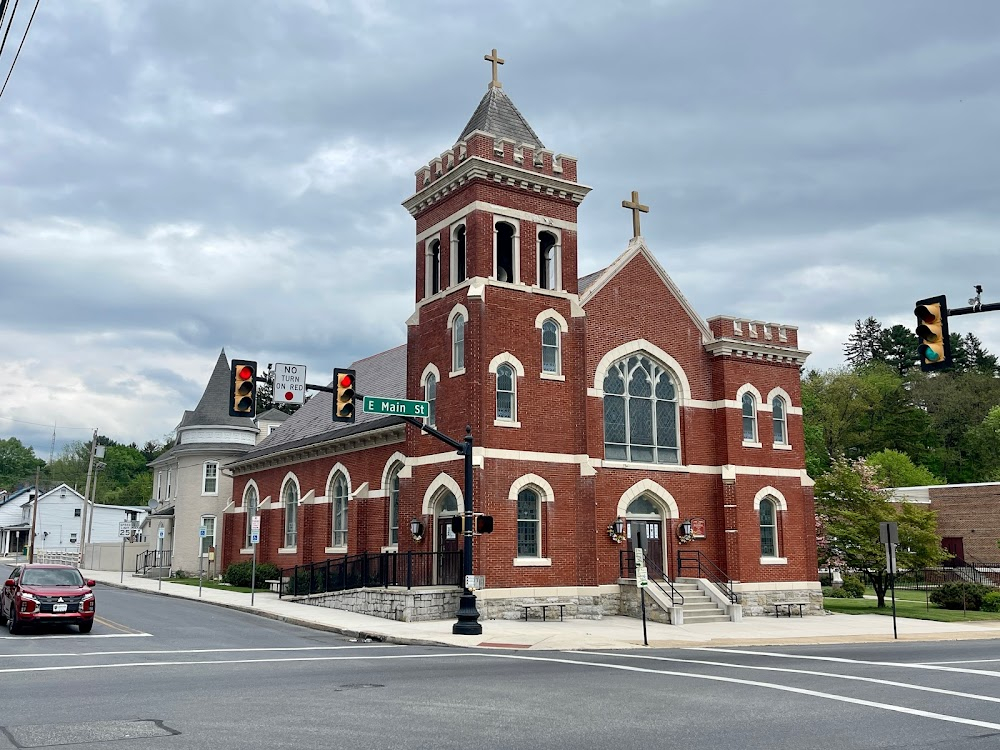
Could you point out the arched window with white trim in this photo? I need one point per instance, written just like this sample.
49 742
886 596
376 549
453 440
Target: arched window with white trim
551 355
529 523
290 502
506 393
250 502
458 343
393 490
548 261
459 257
506 256
768 527
435 266
749 404
640 412
779 420
338 493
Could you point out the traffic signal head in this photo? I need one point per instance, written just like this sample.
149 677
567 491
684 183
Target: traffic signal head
934 350
458 524
243 389
343 403
484 524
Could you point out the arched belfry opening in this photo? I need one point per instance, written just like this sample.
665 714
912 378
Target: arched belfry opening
505 252
547 261
460 271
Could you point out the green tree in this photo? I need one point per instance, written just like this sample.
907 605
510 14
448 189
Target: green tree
981 444
897 347
850 505
895 469
864 345
18 463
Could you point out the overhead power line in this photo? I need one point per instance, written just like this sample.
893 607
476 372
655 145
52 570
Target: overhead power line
25 36
10 22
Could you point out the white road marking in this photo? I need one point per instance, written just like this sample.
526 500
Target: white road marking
88 636
891 683
522 657
841 660
961 661
202 651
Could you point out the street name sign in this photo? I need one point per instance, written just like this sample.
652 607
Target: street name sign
289 384
400 406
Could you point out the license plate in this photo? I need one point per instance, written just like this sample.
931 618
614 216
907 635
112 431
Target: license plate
59 607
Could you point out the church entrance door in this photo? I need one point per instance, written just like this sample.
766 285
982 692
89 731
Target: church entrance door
447 567
652 533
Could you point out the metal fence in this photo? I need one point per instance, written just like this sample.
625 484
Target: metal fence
373 570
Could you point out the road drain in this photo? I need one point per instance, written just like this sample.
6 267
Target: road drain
55 735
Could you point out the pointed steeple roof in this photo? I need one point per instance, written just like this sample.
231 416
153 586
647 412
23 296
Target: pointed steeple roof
213 409
497 115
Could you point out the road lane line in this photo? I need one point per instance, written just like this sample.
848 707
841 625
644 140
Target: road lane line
524 657
88 636
202 651
890 683
841 660
116 626
960 661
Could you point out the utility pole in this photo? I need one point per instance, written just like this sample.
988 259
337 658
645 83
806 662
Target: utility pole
34 521
86 494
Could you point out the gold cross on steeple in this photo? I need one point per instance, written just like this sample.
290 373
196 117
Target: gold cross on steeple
495 83
636 208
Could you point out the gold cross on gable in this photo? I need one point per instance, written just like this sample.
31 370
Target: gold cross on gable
495 83
636 208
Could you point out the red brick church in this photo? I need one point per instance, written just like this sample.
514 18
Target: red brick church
599 405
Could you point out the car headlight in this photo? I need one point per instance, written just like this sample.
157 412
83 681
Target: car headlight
88 597
29 597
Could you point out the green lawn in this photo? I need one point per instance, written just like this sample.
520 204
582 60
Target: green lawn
206 583
908 604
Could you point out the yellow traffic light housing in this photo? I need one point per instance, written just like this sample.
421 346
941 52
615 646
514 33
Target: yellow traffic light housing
934 350
343 403
243 389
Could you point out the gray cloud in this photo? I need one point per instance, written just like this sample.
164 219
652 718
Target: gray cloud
173 171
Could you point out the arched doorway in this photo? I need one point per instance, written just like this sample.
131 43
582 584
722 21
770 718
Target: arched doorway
448 566
646 515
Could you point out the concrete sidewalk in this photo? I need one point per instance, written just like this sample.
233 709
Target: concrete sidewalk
608 633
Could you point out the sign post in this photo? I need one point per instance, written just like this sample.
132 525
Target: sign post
125 529
641 577
161 534
289 384
888 534
254 538
202 533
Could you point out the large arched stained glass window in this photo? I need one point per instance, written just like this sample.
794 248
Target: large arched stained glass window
640 412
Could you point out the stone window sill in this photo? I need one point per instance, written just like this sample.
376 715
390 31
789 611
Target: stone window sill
505 423
774 561
288 550
246 551
456 373
781 446
336 550
532 562
552 376
751 444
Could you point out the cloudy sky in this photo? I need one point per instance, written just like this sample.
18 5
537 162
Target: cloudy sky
178 177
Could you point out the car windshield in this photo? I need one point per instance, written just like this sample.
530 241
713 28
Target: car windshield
51 577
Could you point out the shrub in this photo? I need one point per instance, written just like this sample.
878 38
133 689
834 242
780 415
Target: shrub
960 595
827 590
239 574
826 580
991 602
836 593
854 587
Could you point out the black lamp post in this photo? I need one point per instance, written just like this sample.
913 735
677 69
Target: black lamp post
468 616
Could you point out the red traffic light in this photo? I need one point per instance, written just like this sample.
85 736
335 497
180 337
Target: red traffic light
346 380
244 373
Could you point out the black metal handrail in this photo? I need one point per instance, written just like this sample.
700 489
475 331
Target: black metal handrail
705 568
153 558
373 570
626 569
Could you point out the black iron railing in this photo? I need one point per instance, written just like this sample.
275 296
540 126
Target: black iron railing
699 566
373 570
154 558
626 569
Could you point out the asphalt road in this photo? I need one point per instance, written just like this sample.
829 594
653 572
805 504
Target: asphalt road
167 673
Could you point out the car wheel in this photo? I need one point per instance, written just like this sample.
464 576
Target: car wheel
86 626
12 624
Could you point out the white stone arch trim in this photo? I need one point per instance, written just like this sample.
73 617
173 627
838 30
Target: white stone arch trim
532 480
289 477
648 487
507 358
337 467
457 310
431 369
554 315
442 481
243 500
772 493
394 459
641 346
557 233
453 250
781 393
749 388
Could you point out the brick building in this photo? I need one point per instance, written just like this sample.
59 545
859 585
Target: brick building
590 399
968 517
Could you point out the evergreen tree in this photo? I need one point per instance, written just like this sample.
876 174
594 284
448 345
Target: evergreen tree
863 346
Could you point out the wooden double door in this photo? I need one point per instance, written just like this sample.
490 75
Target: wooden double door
653 541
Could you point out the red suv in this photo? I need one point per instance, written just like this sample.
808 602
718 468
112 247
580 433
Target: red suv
39 594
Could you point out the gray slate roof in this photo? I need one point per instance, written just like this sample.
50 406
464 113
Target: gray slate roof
382 374
219 449
213 409
273 415
590 278
497 115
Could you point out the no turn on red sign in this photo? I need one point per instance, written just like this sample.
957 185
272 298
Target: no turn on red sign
289 384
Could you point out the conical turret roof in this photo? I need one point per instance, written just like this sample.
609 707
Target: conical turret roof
213 408
497 115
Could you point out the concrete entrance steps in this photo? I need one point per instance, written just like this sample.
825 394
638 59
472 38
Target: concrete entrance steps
156 573
698 606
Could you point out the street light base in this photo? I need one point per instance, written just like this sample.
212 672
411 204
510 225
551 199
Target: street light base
468 617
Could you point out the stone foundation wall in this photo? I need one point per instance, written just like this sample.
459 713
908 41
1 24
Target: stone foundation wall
632 607
761 603
579 607
405 605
